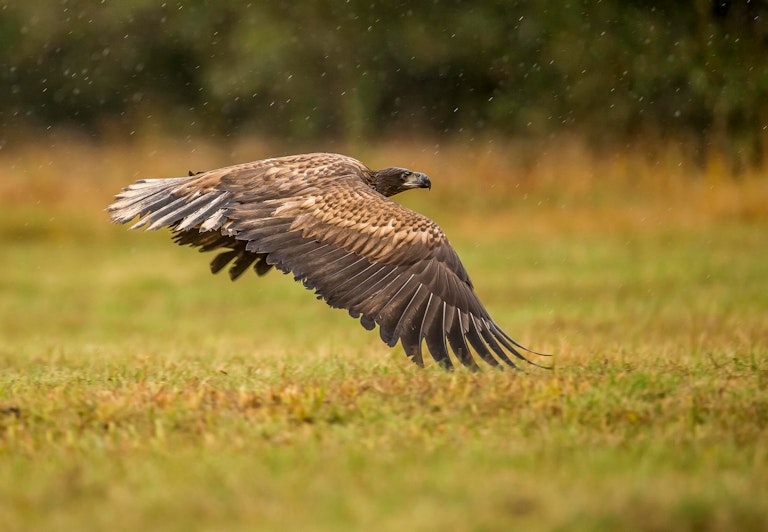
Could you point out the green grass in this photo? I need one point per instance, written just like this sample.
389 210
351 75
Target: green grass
140 392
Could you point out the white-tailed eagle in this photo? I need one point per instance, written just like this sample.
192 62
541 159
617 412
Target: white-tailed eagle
328 220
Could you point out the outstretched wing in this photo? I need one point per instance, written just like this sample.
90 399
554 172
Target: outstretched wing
315 217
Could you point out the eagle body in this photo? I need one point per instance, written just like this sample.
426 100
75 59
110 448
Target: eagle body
328 219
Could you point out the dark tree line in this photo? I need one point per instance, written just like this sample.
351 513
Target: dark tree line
307 69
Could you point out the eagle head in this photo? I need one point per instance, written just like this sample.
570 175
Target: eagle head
391 181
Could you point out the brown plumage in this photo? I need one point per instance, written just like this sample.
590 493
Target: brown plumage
328 220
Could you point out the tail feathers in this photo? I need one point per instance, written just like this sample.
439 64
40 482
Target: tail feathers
168 202
137 199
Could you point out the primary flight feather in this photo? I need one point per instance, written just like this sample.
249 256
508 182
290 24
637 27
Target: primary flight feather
328 220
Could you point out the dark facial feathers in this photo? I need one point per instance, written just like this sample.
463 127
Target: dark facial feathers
391 181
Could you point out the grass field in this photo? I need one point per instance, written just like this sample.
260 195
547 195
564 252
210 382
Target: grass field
140 392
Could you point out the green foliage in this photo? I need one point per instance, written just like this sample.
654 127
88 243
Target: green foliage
355 69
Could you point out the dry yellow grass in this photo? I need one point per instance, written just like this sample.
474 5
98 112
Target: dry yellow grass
562 183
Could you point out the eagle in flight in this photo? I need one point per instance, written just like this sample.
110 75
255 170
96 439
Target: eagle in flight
329 220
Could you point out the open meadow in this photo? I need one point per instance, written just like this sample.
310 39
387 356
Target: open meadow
138 391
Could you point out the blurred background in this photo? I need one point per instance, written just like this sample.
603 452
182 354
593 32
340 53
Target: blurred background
610 72
542 125
600 168
563 119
